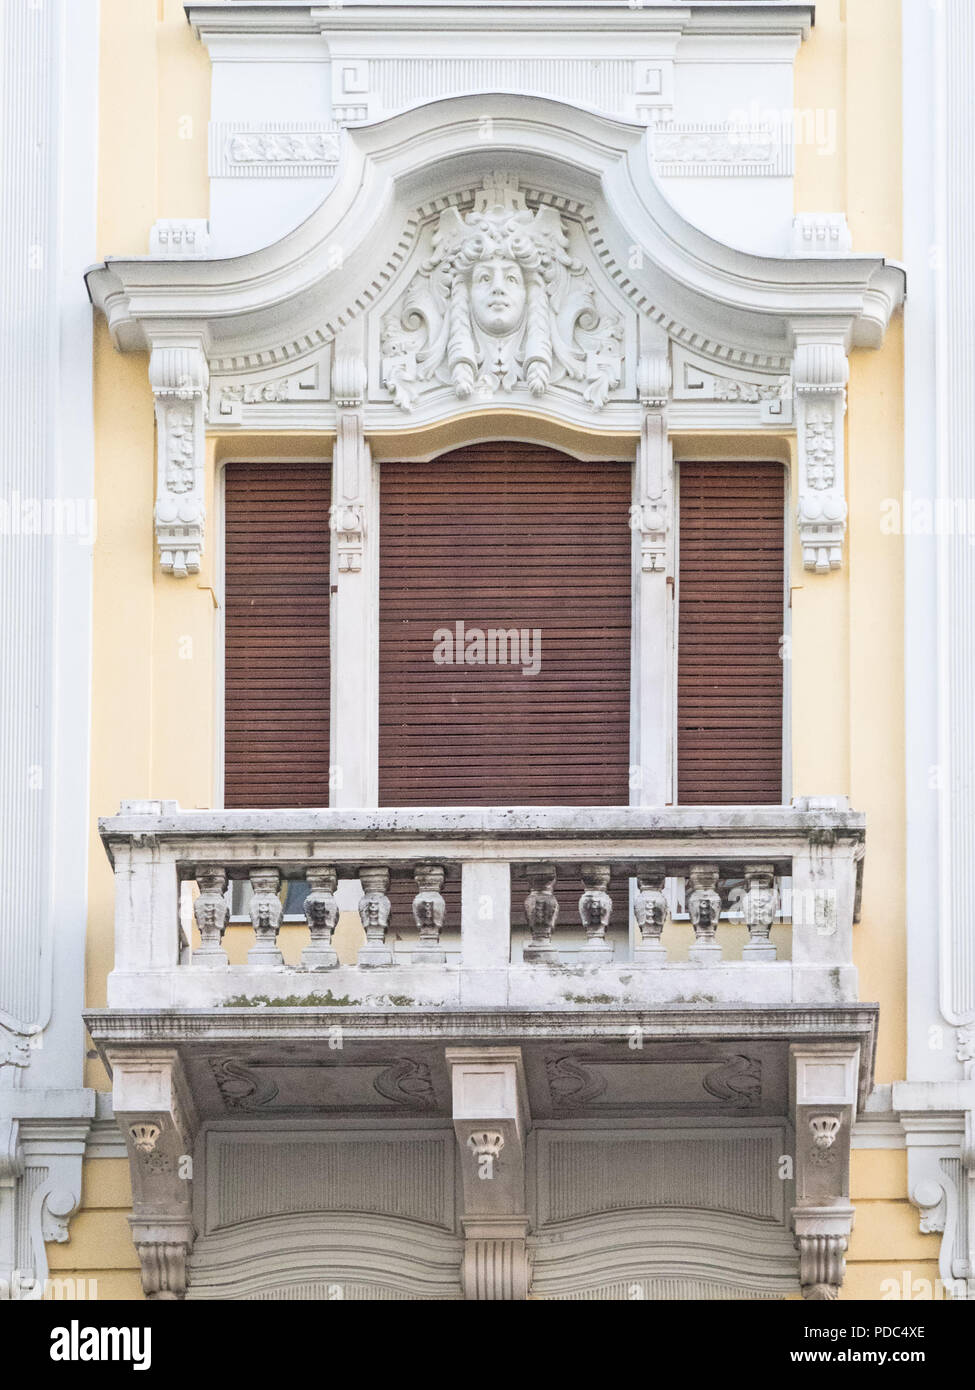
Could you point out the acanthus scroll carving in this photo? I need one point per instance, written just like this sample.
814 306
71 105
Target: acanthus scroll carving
501 305
821 372
179 376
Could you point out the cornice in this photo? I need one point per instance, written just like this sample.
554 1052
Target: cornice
793 18
291 292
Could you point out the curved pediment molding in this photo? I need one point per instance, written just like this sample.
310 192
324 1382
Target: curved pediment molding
604 275
306 282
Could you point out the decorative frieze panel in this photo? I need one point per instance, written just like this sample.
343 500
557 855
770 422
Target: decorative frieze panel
501 307
274 149
689 1080
730 1172
821 372
179 377
252 399
697 378
395 1175
636 89
720 149
276 1086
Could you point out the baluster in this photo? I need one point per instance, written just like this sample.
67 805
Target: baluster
595 910
428 914
704 908
652 911
211 913
759 903
541 914
322 915
266 913
374 909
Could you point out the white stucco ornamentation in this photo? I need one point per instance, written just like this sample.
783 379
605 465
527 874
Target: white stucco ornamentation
824 1088
179 377
821 234
179 238
273 149
501 305
821 372
720 149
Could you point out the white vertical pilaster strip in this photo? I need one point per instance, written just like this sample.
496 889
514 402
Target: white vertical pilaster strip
48 136
652 513
955 359
935 1104
922 175
354 605
29 138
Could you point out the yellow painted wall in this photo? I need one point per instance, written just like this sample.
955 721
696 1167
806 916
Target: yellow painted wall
153 706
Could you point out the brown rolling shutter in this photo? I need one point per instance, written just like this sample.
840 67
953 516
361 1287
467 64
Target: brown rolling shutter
730 616
276 695
505 536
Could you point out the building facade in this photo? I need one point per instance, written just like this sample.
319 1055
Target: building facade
493 753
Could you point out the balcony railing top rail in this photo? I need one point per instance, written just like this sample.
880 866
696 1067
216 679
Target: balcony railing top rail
582 826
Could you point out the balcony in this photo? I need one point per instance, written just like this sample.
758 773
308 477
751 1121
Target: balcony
522 909
542 994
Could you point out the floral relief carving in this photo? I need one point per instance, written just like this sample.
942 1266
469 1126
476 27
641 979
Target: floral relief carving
725 389
180 449
732 145
408 1083
570 1083
738 1080
259 394
501 305
242 1089
820 447
282 147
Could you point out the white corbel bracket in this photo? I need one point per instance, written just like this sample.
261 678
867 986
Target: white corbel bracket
180 376
491 1120
154 1110
820 373
938 1119
42 1144
823 1084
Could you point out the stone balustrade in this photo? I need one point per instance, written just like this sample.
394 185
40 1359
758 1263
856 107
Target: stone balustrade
523 908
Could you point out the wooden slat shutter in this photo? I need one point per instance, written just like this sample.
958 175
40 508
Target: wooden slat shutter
505 535
730 620
276 681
